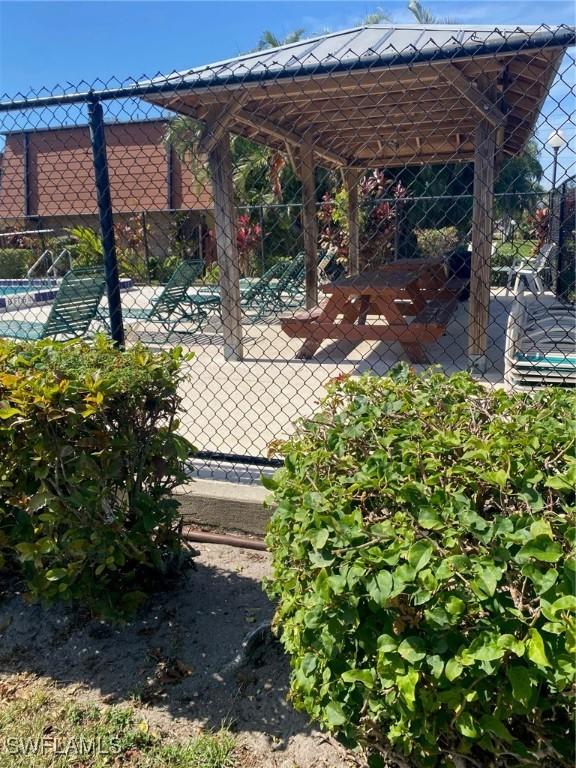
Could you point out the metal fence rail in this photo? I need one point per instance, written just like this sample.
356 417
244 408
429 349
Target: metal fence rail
329 207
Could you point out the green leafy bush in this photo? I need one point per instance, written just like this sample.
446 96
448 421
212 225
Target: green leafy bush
212 275
437 242
424 566
85 247
86 250
14 263
88 457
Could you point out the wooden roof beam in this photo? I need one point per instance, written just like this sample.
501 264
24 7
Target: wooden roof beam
218 121
265 126
404 161
470 91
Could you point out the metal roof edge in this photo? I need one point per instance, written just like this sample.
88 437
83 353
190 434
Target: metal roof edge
563 37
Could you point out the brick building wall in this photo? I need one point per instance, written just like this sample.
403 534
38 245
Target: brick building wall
48 173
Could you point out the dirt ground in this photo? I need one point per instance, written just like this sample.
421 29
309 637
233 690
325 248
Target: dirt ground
175 661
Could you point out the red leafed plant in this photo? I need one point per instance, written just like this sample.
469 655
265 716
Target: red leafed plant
540 223
247 239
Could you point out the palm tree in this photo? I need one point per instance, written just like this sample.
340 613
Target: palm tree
270 40
252 162
377 17
424 16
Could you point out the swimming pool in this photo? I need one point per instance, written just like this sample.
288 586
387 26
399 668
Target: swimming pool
8 290
20 294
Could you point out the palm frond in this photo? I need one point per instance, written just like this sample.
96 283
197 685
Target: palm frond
377 17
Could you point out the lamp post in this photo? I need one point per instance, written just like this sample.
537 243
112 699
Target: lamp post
556 141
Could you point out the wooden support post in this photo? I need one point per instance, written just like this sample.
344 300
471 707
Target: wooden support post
351 178
227 252
309 221
482 229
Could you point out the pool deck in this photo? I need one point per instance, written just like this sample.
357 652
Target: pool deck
241 407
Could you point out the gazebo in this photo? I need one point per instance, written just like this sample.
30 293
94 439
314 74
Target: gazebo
381 96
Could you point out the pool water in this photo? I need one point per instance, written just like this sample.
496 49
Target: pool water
8 290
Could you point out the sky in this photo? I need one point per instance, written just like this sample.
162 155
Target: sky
50 44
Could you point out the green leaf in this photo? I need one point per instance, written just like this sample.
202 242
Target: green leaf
380 587
467 725
495 726
560 483
412 649
407 686
535 648
512 644
497 477
419 554
320 560
454 605
7 411
541 528
453 669
26 550
319 538
387 644
487 578
542 580
541 548
436 664
521 684
485 647
429 519
56 574
269 483
335 714
364 676
566 603
554 627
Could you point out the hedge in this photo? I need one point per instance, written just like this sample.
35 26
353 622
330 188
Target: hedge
424 567
14 263
89 453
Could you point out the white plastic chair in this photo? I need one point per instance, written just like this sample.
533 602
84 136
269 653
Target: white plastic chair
530 271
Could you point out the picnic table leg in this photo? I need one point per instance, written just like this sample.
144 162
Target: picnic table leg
336 305
413 349
363 307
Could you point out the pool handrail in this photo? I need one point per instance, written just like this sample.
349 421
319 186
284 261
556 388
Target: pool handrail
53 261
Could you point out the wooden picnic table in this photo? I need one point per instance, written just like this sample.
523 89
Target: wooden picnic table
410 288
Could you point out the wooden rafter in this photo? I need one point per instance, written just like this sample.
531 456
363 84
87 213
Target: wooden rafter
218 122
470 91
279 132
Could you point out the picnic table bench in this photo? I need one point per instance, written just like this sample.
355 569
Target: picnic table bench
416 289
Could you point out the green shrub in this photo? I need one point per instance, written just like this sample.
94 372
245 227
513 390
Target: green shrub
212 275
85 247
88 457
14 263
424 565
436 242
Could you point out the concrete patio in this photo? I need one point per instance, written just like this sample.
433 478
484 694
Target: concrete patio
241 407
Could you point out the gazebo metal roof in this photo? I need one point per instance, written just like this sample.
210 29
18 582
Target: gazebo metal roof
381 94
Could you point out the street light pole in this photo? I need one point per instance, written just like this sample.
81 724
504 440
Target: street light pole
554 167
556 141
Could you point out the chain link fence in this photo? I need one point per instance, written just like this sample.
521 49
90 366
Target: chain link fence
327 208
